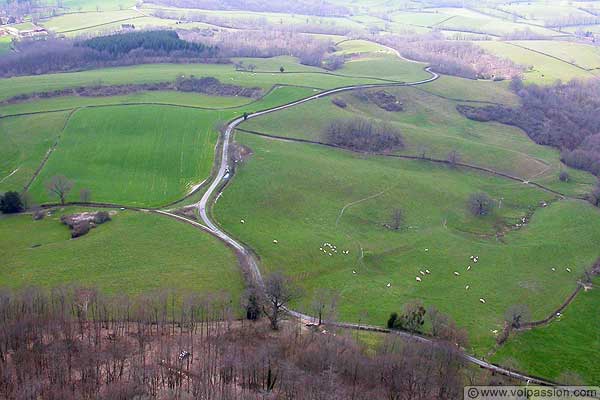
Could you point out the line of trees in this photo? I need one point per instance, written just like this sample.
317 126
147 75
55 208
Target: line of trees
306 7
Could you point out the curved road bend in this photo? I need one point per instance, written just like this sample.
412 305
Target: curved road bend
256 275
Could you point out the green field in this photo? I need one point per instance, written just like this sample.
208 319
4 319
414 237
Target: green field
583 55
569 344
23 143
432 122
135 155
541 68
226 73
5 42
295 193
131 254
77 21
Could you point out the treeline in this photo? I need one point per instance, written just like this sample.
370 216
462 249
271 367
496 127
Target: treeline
75 343
42 57
206 85
271 43
310 25
563 115
448 57
361 134
306 7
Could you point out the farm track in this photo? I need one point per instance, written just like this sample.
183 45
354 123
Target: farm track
248 259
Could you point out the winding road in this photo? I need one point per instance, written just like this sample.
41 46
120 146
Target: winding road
253 270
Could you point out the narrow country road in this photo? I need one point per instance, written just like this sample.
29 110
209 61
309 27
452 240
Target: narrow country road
255 275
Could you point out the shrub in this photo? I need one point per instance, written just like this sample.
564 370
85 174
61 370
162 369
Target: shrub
80 229
11 203
564 176
101 217
339 102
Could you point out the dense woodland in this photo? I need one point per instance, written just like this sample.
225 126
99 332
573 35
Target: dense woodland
563 115
41 57
75 343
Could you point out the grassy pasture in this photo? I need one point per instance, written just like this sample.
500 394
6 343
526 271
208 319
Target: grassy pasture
23 143
583 55
348 47
94 5
78 21
541 12
433 122
275 192
168 72
544 69
569 344
137 155
5 42
131 254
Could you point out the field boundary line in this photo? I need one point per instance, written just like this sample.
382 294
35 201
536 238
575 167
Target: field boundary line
49 152
551 56
408 157
99 25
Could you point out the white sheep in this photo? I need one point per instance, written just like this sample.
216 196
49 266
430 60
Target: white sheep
482 301
354 272
418 279
456 273
427 271
467 287
495 331
275 241
389 285
475 260
242 221
426 249
469 268
553 269
568 269
422 273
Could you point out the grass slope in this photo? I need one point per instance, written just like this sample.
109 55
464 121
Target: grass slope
569 344
131 254
432 122
23 143
295 193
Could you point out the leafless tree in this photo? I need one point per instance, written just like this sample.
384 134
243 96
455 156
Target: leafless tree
59 186
516 315
85 195
279 291
397 219
453 158
480 204
324 304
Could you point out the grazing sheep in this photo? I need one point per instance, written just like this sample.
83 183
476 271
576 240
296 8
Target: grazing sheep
389 285
427 271
495 331
354 272
553 269
568 269
426 249
475 260
482 301
242 221
456 273
469 268
275 241
422 273
418 279
467 287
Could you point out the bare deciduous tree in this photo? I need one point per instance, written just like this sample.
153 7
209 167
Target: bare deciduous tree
480 204
59 186
453 158
324 304
516 315
85 195
397 219
279 291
